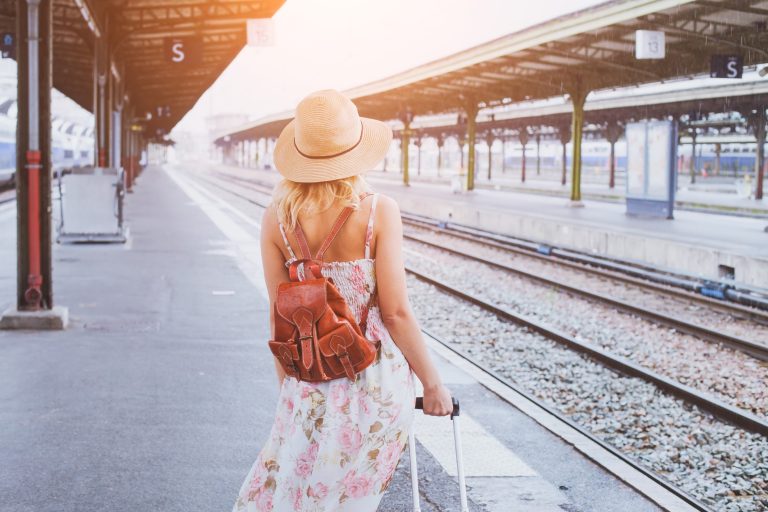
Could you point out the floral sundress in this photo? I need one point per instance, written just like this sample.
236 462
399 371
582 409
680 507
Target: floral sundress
334 445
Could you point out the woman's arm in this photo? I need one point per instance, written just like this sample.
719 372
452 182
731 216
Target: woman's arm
396 310
274 272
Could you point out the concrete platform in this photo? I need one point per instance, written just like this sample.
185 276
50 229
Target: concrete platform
162 391
511 463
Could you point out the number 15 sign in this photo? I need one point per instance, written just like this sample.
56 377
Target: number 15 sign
261 32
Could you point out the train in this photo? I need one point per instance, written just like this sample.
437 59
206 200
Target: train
72 144
737 159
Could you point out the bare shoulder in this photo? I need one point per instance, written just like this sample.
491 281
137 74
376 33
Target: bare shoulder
387 209
269 220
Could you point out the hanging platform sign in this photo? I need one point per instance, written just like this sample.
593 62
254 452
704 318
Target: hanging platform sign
181 51
649 44
726 66
261 32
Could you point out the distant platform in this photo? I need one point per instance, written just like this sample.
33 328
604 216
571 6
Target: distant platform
694 243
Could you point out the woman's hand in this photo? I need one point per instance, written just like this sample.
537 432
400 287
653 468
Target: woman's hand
438 401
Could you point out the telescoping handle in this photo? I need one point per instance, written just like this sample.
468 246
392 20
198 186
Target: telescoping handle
456 407
459 461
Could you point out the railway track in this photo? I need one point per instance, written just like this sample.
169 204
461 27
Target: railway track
754 349
741 303
732 414
690 500
757 350
717 409
637 276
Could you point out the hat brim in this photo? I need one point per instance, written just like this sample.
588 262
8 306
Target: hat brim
294 166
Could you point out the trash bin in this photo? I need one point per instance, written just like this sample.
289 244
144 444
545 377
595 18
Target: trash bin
91 205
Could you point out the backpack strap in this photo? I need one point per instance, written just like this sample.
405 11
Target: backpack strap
369 229
340 220
303 247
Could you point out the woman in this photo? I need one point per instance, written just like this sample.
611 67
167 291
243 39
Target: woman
335 445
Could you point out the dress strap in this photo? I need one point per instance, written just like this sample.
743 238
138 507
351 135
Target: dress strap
285 240
369 229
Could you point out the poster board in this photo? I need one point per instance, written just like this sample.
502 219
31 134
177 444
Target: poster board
651 157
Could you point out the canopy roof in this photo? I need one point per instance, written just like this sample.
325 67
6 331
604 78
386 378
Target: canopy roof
592 49
136 31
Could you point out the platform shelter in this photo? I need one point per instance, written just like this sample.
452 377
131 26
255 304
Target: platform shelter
573 55
138 65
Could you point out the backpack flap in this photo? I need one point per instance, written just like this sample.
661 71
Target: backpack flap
304 294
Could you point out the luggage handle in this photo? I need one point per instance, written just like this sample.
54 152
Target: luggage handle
459 461
456 408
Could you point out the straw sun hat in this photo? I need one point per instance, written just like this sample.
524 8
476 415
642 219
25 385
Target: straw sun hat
328 140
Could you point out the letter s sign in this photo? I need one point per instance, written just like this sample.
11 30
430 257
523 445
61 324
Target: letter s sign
726 66
732 67
177 52
182 51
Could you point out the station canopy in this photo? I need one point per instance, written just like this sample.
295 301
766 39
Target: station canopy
137 32
591 49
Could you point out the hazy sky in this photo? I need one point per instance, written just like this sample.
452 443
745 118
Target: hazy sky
344 43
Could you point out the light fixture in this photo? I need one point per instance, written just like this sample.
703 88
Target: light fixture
89 19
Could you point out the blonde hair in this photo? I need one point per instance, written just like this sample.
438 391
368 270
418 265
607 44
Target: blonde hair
290 197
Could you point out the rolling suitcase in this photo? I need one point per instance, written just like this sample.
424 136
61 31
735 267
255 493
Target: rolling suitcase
459 462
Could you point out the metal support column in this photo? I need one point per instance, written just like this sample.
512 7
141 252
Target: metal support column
612 134
538 154
405 141
34 31
503 153
564 131
489 141
417 143
692 164
101 107
471 110
578 93
759 127
440 142
406 117
718 149
523 136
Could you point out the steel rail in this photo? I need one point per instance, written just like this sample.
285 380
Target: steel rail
691 500
730 413
529 249
756 350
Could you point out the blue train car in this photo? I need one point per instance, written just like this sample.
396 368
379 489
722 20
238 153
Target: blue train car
72 144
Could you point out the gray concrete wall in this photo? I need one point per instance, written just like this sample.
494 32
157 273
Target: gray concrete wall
595 239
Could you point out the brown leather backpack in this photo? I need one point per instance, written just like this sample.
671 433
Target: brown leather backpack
317 338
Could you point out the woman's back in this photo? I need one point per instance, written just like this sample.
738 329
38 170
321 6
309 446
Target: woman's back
349 243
